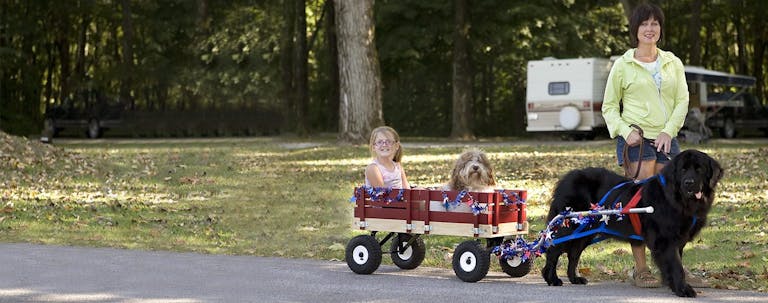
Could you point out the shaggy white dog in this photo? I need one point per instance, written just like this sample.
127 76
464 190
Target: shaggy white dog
472 172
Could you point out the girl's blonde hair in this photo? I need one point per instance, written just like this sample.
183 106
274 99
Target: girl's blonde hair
386 129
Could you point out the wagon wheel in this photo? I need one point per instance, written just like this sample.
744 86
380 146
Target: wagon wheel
411 257
471 261
515 267
363 254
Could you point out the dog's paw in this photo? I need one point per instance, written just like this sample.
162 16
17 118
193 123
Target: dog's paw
555 282
578 280
685 290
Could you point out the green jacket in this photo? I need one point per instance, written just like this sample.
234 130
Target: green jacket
644 105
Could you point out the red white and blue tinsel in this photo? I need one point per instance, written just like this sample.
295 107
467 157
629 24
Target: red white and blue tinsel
471 202
515 199
525 251
378 194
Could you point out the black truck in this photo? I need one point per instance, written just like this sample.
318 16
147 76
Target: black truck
725 101
89 110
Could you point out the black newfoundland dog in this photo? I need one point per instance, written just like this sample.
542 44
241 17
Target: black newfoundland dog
681 195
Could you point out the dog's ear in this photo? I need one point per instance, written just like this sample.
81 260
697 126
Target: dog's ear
493 176
489 167
454 182
716 172
670 171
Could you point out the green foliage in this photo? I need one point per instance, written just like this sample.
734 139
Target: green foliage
238 59
227 56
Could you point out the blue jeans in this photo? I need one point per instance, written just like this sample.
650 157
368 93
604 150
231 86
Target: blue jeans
649 151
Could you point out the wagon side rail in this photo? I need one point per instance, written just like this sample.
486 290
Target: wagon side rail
430 211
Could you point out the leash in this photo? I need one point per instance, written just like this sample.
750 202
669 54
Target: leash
626 154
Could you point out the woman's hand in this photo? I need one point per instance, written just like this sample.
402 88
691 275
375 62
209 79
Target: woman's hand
634 139
663 143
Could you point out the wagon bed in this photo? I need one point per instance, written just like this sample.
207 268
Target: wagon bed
424 211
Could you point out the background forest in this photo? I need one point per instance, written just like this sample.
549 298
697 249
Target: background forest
275 62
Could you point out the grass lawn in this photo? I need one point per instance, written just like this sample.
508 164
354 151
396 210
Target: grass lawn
288 198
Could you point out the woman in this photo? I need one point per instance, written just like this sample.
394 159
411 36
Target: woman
645 104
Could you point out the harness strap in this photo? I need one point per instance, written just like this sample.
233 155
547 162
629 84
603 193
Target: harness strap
603 228
634 218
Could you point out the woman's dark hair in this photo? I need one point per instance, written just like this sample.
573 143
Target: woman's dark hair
641 13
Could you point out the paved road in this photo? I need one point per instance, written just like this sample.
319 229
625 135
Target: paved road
39 273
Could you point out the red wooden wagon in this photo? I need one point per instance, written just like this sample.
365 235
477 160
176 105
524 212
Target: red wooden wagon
407 214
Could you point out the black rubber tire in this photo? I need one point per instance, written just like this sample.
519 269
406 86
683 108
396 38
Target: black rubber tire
471 261
94 130
411 257
49 128
729 129
363 254
514 269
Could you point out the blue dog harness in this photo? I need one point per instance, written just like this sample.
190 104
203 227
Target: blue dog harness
603 228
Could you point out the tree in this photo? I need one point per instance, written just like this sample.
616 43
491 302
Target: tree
126 83
360 83
333 65
286 61
300 53
462 75
694 34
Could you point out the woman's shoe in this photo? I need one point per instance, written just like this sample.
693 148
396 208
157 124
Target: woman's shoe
645 279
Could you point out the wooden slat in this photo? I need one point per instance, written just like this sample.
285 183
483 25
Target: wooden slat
444 228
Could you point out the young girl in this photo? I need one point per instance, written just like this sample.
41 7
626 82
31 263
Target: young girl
385 169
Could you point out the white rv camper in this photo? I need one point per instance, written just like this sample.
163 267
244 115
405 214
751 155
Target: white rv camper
566 95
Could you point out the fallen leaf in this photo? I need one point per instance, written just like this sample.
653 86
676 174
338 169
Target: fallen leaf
620 252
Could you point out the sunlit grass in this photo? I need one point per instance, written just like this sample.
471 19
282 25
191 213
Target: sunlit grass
284 197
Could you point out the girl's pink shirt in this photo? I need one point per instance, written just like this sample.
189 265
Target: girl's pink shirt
392 179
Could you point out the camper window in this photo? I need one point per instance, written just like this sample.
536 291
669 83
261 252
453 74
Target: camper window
559 88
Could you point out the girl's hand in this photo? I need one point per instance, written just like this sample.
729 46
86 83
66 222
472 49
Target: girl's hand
663 143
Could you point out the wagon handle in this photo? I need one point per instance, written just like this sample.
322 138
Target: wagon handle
643 210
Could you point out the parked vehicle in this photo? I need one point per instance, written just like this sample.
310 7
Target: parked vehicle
566 96
90 111
726 101
94 113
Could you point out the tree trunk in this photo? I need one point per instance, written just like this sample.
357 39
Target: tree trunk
50 70
761 47
286 65
5 73
126 82
461 126
82 41
760 44
300 53
203 21
741 56
694 34
62 47
333 65
359 74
